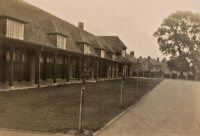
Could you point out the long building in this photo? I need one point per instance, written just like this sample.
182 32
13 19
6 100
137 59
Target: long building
37 46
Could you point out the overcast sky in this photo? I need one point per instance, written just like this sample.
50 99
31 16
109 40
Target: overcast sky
134 21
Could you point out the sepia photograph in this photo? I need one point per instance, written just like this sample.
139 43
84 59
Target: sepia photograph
99 68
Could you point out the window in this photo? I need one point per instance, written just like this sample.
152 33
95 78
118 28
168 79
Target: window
114 57
102 54
49 60
15 29
61 42
87 49
8 57
123 53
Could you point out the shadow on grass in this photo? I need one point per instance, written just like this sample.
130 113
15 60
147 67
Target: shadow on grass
56 109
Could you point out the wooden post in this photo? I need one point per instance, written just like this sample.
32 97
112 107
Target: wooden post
137 87
38 68
20 67
55 68
107 69
11 72
97 69
100 69
63 68
79 69
111 72
81 108
146 84
121 94
88 67
68 67
115 71
45 68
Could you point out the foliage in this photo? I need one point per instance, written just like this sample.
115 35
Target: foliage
179 37
178 63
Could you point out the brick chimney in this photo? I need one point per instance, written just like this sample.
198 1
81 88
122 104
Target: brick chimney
158 59
132 53
149 58
81 25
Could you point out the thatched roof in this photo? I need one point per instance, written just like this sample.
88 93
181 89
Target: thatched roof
115 42
40 23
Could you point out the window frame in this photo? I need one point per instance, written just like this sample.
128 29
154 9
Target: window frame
86 49
123 53
61 41
102 53
14 29
114 56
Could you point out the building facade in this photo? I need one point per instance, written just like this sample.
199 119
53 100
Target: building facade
36 46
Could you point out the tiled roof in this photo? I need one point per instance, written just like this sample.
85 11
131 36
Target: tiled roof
131 58
152 61
155 62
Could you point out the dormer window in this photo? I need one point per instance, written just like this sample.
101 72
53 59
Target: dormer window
61 42
87 49
102 54
14 29
114 57
123 53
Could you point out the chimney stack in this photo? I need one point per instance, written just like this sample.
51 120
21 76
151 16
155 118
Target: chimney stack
149 58
158 59
132 53
81 25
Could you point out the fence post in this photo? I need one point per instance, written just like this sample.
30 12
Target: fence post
137 87
81 108
146 83
121 92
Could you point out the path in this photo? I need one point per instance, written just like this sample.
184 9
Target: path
171 109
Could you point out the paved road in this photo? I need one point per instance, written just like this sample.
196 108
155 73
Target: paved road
171 109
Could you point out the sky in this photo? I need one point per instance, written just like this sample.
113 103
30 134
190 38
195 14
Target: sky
134 21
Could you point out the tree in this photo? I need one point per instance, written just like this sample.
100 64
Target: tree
179 37
177 63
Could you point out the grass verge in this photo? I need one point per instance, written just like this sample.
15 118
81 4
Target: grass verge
56 109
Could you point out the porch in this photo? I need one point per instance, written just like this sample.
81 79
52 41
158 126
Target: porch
29 66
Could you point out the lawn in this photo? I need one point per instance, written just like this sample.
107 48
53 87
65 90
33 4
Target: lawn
56 109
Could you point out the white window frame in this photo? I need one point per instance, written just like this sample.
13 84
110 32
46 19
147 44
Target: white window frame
14 29
123 53
114 56
102 54
86 49
61 42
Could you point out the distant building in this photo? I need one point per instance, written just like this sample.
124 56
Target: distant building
145 66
